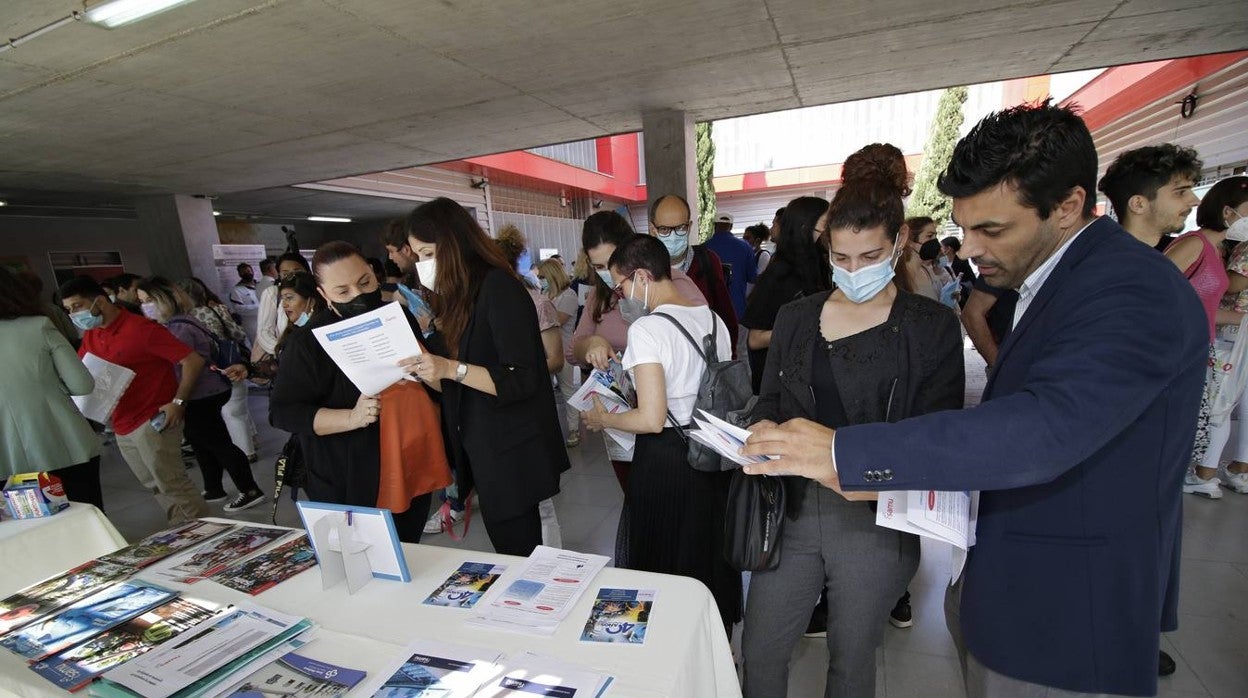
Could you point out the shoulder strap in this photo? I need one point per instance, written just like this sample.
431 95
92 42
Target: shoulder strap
685 332
212 339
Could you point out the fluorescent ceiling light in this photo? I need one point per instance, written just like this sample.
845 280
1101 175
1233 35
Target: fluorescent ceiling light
216 213
3 202
115 13
329 219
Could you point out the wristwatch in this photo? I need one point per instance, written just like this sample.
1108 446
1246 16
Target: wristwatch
461 372
179 402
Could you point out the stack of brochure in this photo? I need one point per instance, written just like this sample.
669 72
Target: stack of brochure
431 669
949 517
615 391
538 596
722 437
208 657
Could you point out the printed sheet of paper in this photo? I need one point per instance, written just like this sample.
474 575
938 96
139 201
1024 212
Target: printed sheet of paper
436 669
111 381
368 347
615 391
541 594
262 572
949 517
215 555
528 673
724 438
38 601
619 616
159 546
466 585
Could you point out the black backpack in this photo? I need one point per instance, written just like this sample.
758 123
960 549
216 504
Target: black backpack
724 388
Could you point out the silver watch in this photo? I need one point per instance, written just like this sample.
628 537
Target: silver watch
179 402
461 372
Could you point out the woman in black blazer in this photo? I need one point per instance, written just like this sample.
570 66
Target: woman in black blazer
504 433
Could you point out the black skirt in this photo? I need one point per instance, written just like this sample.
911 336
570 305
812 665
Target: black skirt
675 519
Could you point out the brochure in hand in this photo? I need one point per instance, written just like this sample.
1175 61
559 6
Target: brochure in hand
466 585
614 390
217 554
296 675
85 619
78 666
619 616
159 546
268 569
38 601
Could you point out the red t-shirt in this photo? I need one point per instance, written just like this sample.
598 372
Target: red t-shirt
149 350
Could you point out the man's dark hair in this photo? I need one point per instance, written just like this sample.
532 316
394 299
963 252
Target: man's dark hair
394 234
241 266
297 258
1232 192
654 205
780 214
16 297
952 243
1043 150
392 269
267 264
1144 171
120 282
83 286
642 252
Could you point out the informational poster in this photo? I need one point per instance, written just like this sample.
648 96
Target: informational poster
226 258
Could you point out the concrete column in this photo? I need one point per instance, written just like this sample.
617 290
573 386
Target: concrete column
179 232
671 158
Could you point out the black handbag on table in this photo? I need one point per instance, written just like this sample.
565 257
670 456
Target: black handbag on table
753 521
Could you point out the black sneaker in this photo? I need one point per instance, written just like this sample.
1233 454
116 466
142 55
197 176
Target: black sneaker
1165 664
901 616
818 625
245 501
214 497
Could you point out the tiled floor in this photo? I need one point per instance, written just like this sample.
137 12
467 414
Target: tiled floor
1211 645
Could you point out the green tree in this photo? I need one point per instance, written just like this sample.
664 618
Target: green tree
941 137
706 180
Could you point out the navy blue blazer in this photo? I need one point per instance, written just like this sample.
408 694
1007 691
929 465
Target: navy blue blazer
1080 449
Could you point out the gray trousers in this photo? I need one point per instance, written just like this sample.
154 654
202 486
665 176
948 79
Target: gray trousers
865 568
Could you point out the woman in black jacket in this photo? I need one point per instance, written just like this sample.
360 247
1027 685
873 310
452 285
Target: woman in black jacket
499 410
865 352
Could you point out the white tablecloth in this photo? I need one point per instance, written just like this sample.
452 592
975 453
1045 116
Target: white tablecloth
35 549
686 652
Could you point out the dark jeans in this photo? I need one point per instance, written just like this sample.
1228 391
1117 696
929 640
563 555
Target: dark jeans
215 452
82 482
411 523
516 536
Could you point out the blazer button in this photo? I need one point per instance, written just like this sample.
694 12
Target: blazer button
866 475
888 474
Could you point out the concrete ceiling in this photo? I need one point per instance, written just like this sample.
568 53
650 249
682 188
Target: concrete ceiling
236 95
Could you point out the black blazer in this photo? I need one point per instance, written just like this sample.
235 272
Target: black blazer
509 447
929 374
1079 449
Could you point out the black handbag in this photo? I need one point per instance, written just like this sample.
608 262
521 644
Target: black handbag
753 521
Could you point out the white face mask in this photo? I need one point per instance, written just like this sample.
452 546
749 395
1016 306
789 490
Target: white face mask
427 271
866 282
1238 231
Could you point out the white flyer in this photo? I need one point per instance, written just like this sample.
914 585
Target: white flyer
541 593
614 391
529 673
111 381
724 438
368 347
430 669
950 517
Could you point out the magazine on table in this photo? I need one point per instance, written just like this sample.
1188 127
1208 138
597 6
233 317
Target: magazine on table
78 666
86 618
293 674
38 601
466 585
949 517
216 554
619 616
270 568
205 655
431 669
159 546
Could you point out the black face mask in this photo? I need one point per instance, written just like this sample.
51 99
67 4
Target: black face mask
360 304
929 250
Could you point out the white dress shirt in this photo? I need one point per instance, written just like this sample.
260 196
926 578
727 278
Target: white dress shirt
1031 285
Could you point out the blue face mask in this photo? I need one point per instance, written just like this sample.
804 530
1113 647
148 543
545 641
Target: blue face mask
544 285
866 283
302 319
677 245
85 320
606 277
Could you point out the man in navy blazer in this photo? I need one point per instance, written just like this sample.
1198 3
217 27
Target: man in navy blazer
1080 445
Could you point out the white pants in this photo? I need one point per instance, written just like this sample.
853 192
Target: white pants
1220 437
238 419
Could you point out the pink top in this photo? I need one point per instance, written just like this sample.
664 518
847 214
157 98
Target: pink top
612 327
1208 277
547 317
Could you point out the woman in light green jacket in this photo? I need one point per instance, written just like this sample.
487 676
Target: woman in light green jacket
40 427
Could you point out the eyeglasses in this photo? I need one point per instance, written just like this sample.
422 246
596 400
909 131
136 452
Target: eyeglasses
667 230
618 290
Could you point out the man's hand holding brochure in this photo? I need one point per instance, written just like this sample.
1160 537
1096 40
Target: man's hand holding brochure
949 517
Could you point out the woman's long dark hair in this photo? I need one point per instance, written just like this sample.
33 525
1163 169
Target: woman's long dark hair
303 284
798 254
603 227
465 255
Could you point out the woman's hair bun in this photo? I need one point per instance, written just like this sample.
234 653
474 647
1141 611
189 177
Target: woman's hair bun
879 164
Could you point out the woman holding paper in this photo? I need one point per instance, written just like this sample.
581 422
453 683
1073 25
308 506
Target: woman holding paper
40 427
382 450
864 352
498 405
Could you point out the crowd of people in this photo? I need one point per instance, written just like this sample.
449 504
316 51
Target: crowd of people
1110 393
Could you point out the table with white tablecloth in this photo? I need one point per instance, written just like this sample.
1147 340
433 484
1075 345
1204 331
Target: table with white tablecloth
35 549
686 652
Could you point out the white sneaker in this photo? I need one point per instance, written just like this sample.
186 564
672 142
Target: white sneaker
1237 482
434 524
1193 484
